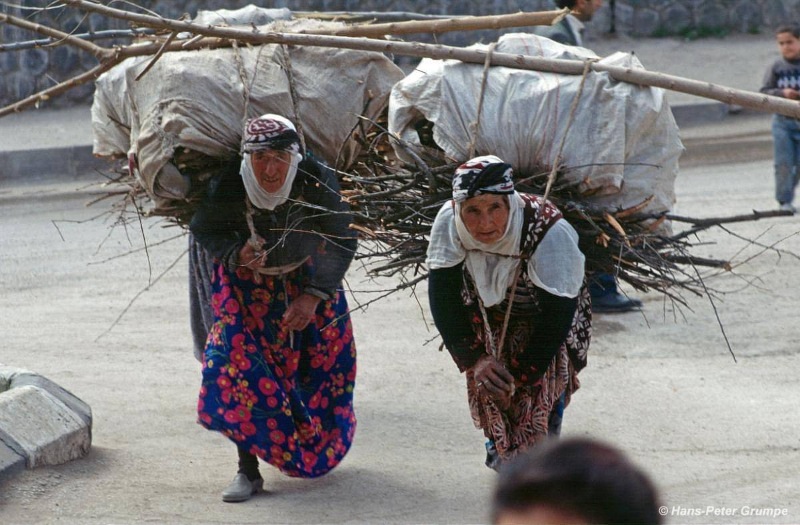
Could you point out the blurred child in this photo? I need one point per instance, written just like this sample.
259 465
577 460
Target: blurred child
575 481
783 80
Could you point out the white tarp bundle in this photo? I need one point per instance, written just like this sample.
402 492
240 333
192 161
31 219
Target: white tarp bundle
200 100
622 145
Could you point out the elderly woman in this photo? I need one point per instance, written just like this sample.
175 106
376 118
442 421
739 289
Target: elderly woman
507 294
280 363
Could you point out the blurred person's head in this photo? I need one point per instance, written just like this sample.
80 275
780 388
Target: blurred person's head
583 10
574 481
788 37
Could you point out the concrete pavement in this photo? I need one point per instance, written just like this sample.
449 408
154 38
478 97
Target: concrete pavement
39 144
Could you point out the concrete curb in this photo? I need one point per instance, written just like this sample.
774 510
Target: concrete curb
712 133
725 150
716 133
38 165
41 423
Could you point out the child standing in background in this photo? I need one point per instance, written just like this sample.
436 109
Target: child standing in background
783 80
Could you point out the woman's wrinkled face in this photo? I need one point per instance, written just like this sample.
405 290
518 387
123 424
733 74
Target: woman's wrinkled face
485 217
270 168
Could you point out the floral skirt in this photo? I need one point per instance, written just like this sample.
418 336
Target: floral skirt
285 396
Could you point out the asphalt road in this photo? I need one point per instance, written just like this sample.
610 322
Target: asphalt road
718 436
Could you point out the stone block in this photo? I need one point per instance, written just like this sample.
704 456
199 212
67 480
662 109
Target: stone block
12 460
26 378
47 430
677 18
646 22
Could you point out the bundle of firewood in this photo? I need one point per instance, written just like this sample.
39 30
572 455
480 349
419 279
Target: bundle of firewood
394 202
394 205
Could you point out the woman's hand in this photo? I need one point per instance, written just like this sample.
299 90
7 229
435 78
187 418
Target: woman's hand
301 311
492 376
251 256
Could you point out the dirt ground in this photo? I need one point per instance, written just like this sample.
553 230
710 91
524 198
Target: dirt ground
718 435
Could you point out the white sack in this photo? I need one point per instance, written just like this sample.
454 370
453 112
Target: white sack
246 15
623 142
111 115
200 100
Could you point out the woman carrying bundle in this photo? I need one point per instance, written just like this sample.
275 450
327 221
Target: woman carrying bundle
280 362
508 296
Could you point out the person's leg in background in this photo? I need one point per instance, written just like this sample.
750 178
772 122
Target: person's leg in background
606 297
785 139
795 175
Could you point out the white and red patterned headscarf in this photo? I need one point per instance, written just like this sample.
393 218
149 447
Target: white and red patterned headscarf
274 132
270 131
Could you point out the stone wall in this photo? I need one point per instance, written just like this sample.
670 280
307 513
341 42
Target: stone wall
697 17
25 72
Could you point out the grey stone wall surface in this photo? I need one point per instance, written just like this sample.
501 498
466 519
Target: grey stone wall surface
28 71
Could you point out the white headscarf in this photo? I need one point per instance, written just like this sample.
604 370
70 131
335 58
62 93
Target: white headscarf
492 266
557 264
274 132
260 197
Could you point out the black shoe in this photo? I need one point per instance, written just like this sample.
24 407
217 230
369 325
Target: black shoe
614 303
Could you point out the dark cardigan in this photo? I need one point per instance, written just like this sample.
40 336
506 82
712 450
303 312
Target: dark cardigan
312 222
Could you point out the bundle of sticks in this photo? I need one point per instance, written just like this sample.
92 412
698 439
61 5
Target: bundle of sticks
394 204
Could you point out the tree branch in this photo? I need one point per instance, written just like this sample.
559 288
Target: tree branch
96 35
642 77
59 88
100 52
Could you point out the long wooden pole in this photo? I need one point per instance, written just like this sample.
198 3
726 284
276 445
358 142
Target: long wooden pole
642 77
372 17
466 23
37 98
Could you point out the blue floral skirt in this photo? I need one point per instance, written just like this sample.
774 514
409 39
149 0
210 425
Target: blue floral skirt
285 396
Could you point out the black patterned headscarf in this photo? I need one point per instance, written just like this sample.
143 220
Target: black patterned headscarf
270 131
487 174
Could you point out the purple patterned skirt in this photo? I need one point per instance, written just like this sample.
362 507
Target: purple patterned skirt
285 396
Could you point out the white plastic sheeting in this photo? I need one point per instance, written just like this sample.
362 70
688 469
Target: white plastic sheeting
621 145
200 100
